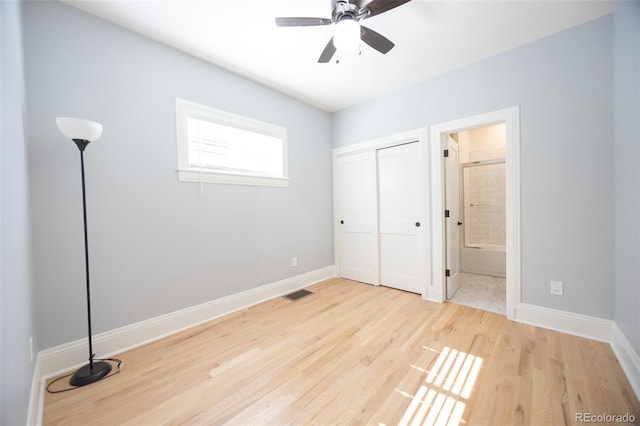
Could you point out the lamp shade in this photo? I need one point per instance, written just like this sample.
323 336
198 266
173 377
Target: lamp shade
77 128
346 35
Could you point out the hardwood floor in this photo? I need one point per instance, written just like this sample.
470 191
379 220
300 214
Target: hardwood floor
353 353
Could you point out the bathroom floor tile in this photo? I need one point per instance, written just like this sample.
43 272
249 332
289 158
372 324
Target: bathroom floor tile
482 292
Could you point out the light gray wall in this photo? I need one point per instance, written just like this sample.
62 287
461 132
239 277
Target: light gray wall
17 322
563 85
626 32
156 245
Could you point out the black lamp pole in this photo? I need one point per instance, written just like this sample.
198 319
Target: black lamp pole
93 371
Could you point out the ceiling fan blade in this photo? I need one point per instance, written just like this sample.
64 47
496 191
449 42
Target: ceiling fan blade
376 7
302 22
327 53
375 40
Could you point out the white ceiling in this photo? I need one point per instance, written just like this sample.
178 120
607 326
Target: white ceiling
431 37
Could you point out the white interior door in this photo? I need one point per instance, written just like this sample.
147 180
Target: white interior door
452 223
401 215
357 217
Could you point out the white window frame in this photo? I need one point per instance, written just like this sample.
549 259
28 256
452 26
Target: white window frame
186 173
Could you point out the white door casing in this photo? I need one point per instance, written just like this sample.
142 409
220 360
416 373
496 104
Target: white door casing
511 118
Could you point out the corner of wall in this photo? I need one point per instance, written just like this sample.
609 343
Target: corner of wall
627 357
600 329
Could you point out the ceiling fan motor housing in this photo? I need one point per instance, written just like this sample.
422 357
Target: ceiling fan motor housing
345 10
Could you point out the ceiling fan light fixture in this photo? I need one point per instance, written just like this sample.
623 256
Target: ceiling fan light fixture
346 35
347 31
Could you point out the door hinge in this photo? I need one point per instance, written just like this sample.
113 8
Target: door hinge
446 213
447 273
446 153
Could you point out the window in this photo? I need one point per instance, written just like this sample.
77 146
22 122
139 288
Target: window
217 147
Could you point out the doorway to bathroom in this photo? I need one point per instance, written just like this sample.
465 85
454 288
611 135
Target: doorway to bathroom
475 200
475 205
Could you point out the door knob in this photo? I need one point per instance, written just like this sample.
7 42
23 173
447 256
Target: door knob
417 224
459 223
342 222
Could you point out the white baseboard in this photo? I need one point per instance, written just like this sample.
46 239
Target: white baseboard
565 322
433 294
53 361
36 397
590 327
627 357
71 355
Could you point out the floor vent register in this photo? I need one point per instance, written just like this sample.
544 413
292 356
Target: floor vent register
296 295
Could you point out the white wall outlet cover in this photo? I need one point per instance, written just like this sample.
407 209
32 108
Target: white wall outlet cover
556 288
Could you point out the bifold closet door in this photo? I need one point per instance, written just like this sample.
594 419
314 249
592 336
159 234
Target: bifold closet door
358 222
401 216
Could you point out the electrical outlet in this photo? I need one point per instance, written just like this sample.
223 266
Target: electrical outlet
294 261
556 288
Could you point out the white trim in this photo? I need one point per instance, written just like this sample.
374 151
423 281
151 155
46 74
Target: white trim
383 142
186 173
586 326
627 357
208 176
509 116
73 354
36 396
69 356
565 322
514 247
54 361
600 329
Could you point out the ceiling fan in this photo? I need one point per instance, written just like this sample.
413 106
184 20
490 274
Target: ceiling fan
348 31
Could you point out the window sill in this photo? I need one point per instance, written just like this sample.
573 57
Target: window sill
231 179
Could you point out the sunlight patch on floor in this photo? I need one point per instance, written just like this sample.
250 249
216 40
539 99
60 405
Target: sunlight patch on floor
441 399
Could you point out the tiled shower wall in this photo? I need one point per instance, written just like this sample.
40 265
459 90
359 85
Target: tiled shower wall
485 200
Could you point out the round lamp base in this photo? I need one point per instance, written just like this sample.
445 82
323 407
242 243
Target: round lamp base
88 374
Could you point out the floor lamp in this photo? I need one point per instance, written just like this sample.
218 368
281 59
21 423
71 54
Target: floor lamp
82 132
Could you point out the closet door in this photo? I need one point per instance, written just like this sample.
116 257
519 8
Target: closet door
357 217
402 214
